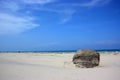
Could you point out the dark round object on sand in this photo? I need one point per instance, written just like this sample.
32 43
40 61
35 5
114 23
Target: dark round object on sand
86 58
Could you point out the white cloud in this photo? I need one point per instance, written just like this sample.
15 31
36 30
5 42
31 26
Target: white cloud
12 21
67 15
87 4
9 6
11 24
38 1
95 2
64 14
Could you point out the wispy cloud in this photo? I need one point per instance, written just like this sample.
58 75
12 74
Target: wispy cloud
10 6
86 3
10 24
68 9
12 21
38 1
95 3
67 15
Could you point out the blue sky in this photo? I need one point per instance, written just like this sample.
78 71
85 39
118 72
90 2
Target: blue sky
39 25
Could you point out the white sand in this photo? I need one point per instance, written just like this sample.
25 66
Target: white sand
24 66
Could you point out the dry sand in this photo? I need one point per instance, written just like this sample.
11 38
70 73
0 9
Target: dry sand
36 66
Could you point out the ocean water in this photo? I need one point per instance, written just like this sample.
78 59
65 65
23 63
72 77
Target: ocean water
109 50
60 52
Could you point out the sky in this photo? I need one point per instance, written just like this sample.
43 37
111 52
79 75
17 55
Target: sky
51 25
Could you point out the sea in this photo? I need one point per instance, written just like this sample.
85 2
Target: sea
60 51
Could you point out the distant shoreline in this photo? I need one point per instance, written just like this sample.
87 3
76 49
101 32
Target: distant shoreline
60 51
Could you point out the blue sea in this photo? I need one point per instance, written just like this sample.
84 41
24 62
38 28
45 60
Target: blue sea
60 51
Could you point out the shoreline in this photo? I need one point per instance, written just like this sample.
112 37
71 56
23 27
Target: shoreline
60 51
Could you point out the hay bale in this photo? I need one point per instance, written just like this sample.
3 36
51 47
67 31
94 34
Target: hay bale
86 58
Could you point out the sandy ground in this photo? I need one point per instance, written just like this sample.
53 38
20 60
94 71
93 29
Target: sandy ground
36 66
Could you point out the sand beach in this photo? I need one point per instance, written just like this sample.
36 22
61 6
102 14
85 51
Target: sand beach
52 66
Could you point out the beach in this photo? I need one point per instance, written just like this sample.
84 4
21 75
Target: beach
53 66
